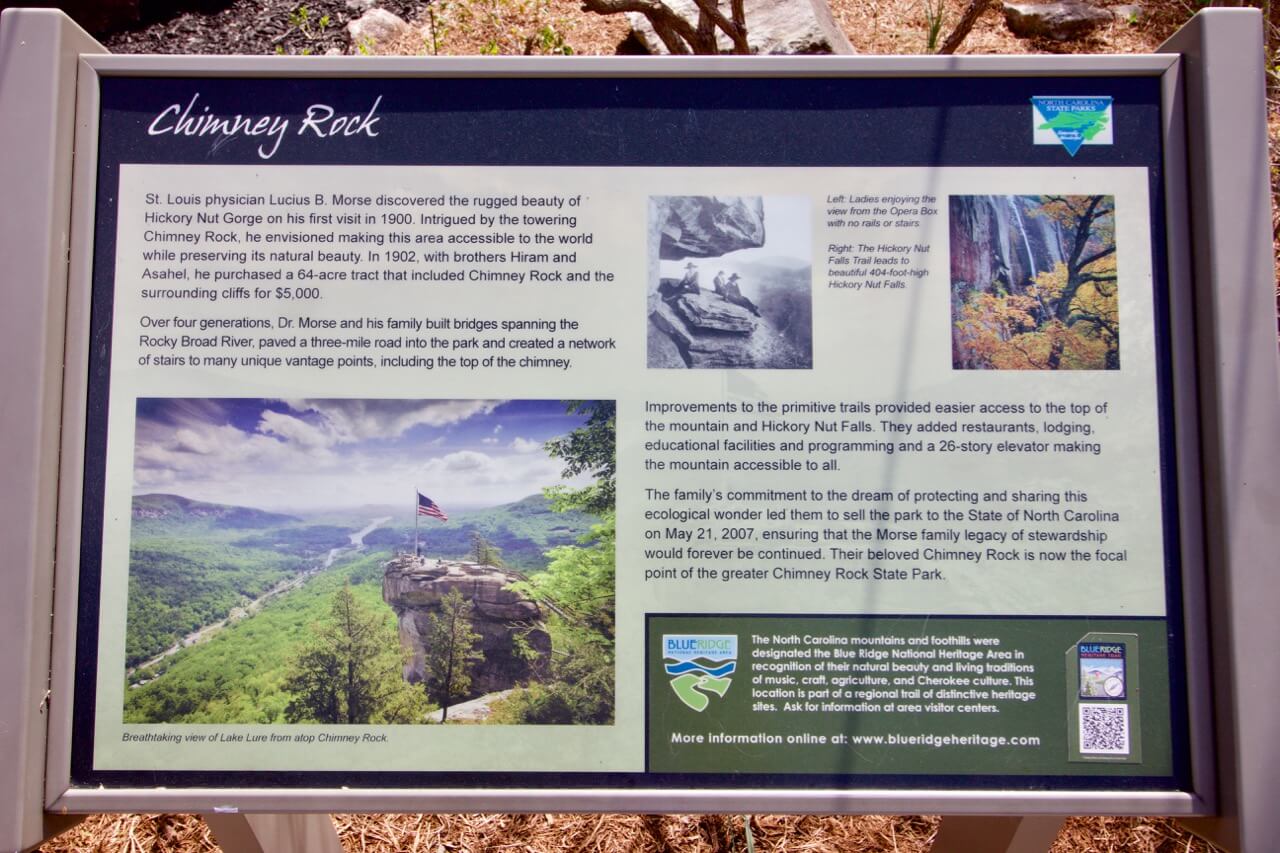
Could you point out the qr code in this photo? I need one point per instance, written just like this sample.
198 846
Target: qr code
1104 729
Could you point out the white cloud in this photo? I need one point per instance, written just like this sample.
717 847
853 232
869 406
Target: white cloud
190 448
467 461
296 430
325 454
467 468
358 420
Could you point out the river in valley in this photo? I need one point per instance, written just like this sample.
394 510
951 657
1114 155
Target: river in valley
249 608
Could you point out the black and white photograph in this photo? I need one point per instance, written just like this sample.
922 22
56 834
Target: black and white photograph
730 282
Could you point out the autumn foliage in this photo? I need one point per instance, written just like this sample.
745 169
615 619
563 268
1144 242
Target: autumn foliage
1064 317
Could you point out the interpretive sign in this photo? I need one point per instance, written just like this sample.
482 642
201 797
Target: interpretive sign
801 432
811 434
804 435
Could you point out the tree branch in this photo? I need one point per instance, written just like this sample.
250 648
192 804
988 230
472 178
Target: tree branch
710 8
706 33
1083 226
1097 256
967 20
737 8
676 33
1016 346
679 36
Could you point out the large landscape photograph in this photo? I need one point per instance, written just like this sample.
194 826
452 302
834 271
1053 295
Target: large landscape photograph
371 562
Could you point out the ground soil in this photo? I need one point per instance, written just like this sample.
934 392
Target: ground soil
468 27
245 26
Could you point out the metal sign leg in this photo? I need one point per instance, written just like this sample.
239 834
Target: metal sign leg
273 833
964 834
39 53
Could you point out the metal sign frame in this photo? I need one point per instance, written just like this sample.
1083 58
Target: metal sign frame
1214 293
79 335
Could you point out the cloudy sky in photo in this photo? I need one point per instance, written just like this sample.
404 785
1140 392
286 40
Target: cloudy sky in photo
328 454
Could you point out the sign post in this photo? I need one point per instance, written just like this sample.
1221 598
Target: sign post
817 434
39 52
1236 341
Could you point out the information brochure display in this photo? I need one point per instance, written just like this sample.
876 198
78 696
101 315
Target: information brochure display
802 433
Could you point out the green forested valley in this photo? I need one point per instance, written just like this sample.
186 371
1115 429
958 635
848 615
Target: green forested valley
175 587
237 675
192 563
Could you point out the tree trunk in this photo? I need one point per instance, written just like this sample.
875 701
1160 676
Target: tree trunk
1055 354
967 20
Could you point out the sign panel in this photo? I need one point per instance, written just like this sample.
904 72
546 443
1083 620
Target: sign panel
631 432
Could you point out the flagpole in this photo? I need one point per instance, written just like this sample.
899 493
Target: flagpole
416 553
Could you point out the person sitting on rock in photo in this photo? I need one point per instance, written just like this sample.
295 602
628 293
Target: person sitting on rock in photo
688 284
717 284
730 292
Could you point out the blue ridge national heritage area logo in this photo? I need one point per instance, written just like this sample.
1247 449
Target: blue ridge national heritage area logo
1071 121
1102 673
700 666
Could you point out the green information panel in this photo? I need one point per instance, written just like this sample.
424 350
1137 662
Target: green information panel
907 695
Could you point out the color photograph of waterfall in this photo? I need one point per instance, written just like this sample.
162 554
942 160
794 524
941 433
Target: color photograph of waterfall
1034 283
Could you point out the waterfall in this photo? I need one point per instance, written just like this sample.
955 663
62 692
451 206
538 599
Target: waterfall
1022 229
1001 232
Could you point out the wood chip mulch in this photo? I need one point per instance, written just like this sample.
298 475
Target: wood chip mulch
614 833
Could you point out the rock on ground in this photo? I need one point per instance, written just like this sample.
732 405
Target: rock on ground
376 26
700 350
1062 21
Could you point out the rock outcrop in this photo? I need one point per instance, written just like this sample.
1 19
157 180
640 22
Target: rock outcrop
997 241
414 586
707 312
707 226
707 331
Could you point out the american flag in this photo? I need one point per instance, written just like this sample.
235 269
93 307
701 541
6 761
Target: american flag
426 506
